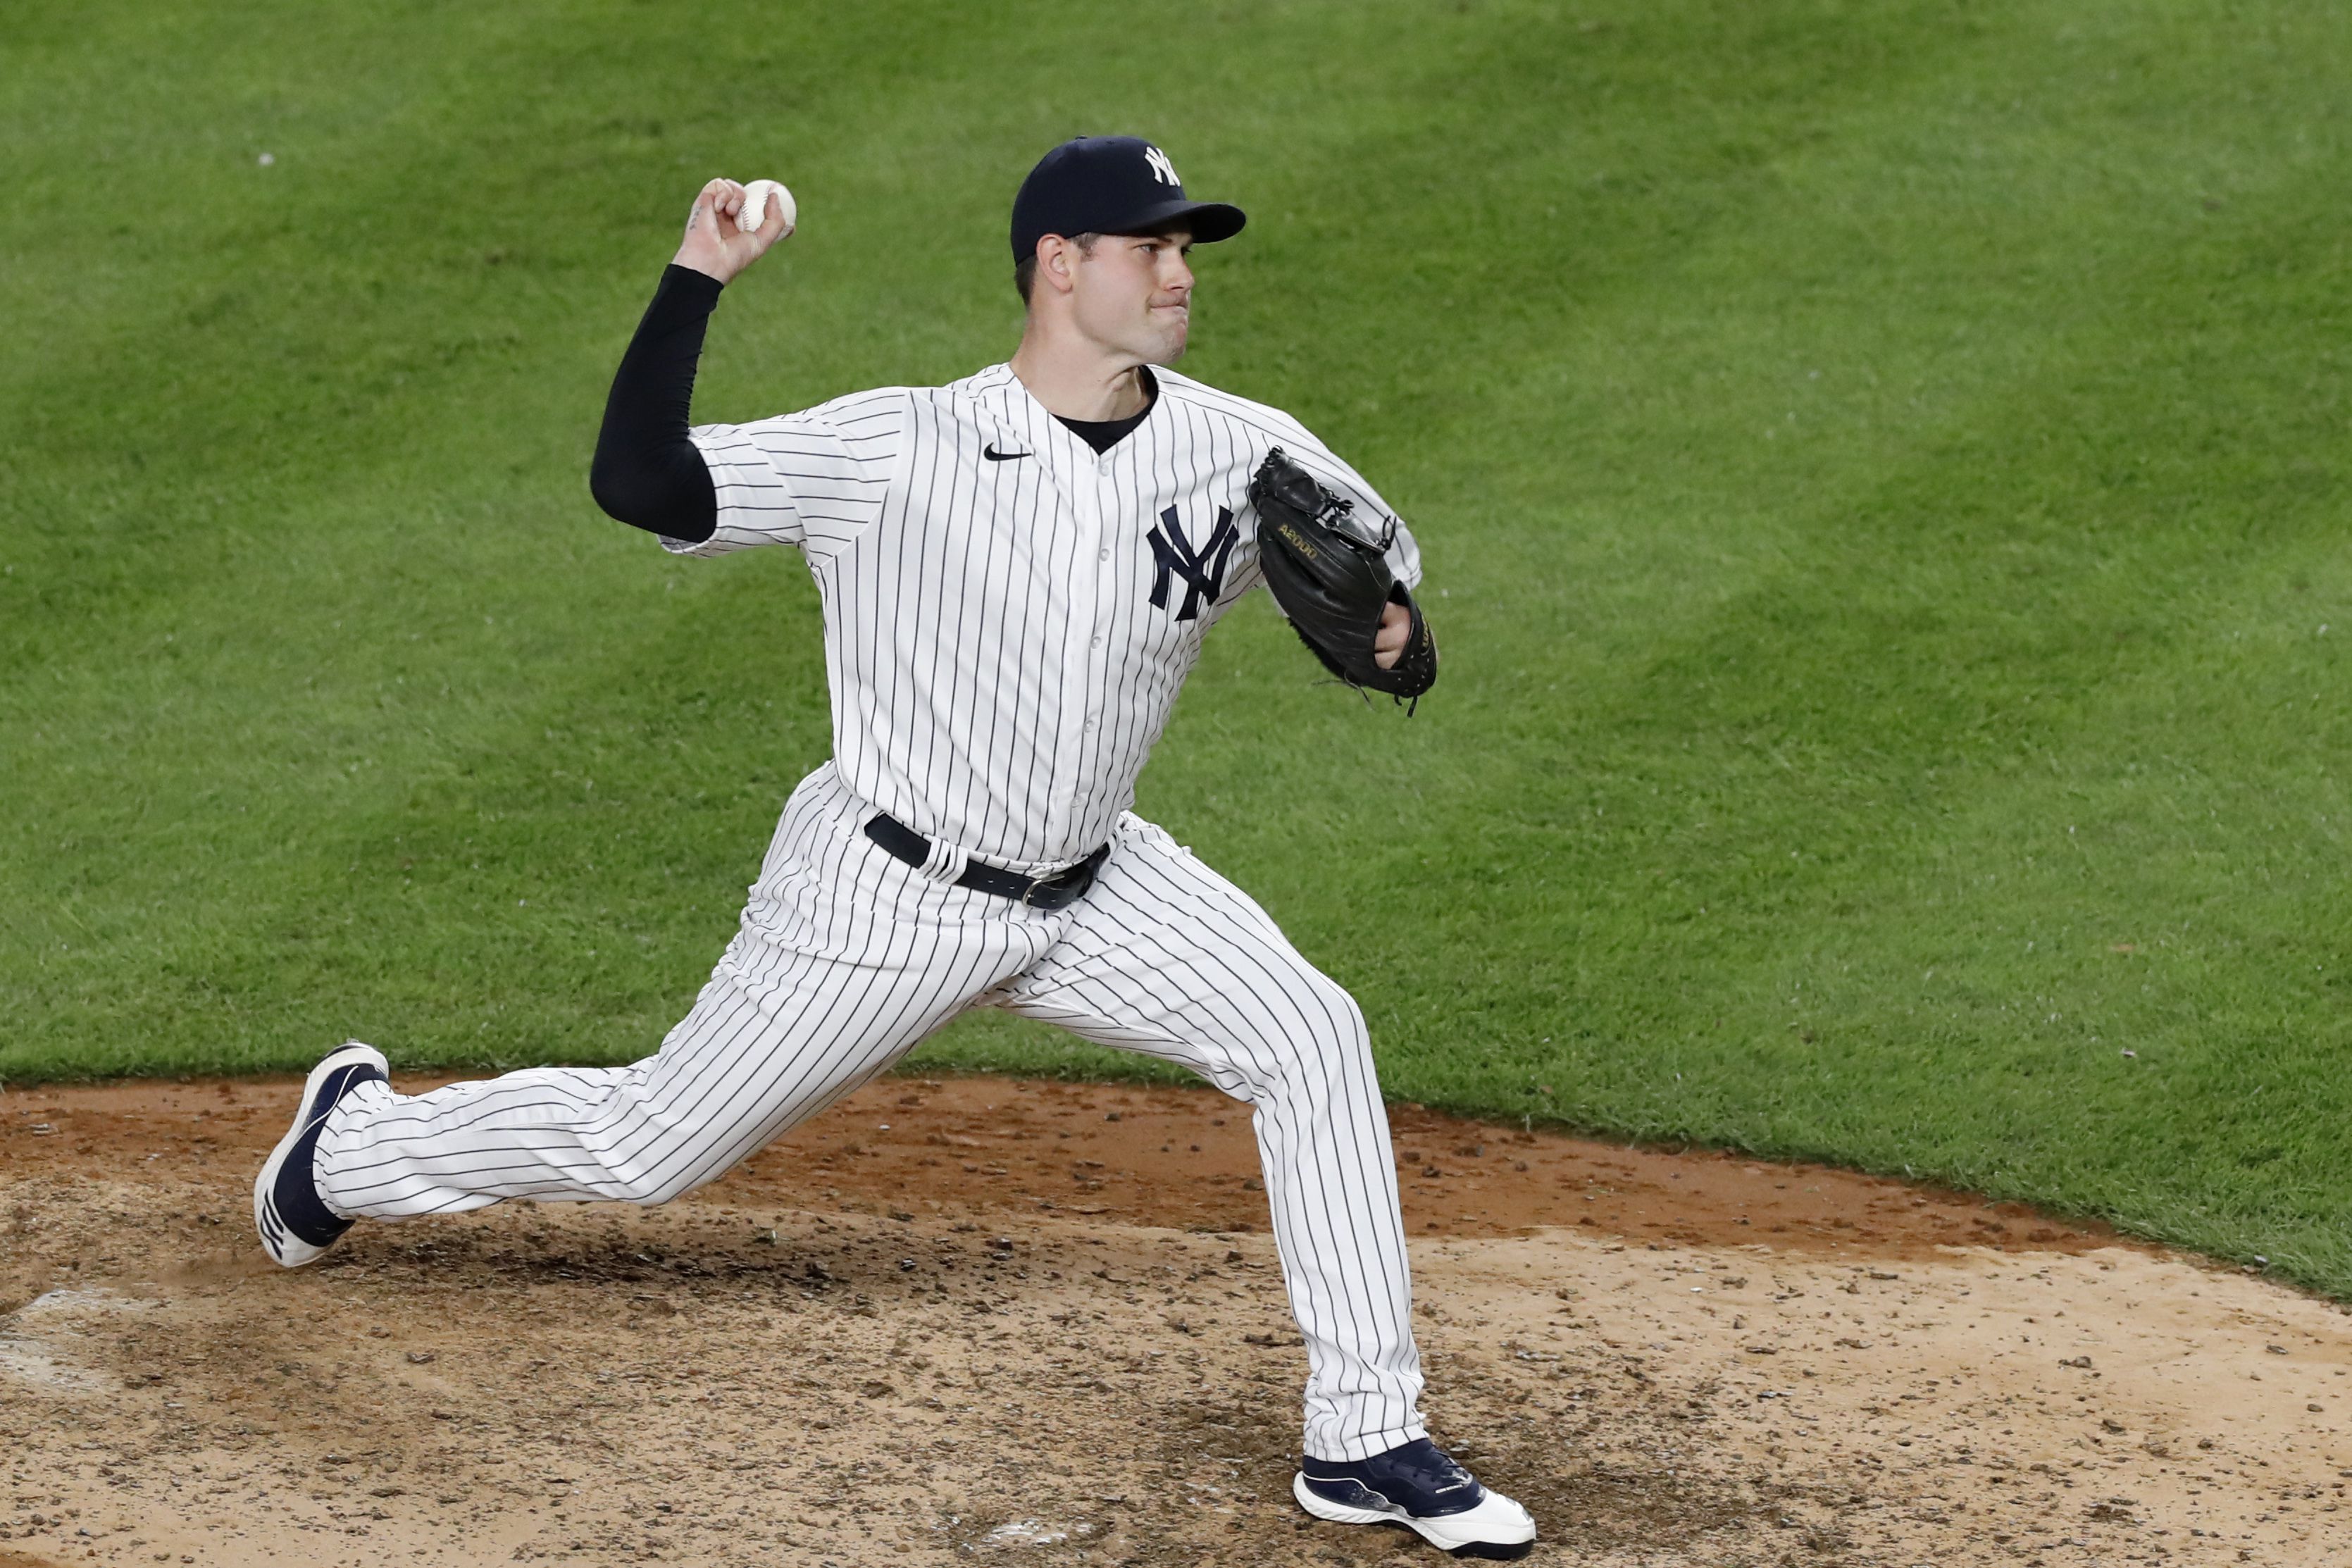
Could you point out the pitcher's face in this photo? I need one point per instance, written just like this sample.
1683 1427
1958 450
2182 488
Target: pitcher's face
1133 292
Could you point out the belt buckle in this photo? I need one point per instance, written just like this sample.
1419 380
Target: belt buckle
1040 884
1066 875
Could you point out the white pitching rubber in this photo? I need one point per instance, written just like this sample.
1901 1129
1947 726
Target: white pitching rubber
755 204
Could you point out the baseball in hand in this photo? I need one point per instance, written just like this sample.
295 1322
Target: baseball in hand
756 196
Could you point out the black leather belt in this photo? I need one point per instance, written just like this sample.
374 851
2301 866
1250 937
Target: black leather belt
1058 891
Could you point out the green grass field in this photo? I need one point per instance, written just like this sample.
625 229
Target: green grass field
1882 465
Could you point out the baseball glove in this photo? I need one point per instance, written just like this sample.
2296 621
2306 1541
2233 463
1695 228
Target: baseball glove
1327 569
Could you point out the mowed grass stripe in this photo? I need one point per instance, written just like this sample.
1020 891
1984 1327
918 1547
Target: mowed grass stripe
2021 656
2060 397
328 202
2273 461
333 206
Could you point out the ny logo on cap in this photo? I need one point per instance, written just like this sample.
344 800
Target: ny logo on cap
1162 169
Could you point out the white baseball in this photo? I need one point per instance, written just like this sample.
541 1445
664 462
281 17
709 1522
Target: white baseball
755 205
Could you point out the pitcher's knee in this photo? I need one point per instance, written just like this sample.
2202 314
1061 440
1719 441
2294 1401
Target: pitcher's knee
1331 1044
1350 1038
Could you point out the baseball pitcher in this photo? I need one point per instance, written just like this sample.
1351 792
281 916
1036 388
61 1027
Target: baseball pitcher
1017 571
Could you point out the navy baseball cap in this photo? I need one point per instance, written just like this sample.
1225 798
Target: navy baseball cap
1110 185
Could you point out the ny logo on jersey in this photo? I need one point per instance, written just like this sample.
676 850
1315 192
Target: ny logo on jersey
1162 169
1203 570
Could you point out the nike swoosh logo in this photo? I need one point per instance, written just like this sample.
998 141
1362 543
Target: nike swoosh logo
994 456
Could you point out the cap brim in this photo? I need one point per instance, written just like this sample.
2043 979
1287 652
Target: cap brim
1208 221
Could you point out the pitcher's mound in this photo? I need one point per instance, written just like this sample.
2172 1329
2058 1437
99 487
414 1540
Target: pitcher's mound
980 1320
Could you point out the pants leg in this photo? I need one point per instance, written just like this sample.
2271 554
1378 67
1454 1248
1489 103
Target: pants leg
845 960
1166 957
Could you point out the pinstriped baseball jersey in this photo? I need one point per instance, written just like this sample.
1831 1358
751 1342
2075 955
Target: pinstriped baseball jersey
1011 605
1009 615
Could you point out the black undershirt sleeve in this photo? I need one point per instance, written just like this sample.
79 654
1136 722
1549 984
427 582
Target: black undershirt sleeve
646 473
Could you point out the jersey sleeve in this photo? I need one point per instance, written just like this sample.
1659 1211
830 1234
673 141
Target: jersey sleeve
816 478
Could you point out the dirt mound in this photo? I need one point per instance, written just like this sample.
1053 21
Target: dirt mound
982 1319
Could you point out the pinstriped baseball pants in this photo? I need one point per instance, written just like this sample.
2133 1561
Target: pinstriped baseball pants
847 958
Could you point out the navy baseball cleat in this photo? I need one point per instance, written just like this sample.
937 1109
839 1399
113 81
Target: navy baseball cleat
295 1223
1417 1485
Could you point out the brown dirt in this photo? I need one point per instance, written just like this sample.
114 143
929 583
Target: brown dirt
984 1319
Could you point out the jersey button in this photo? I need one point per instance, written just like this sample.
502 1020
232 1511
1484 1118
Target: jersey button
1104 556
